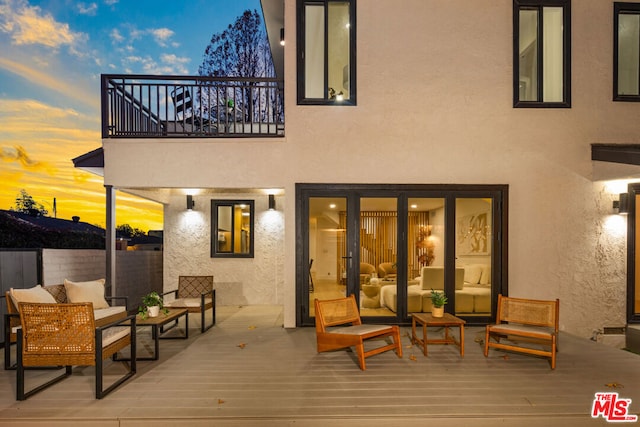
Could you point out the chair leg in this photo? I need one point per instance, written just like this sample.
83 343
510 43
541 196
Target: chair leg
486 342
21 394
7 344
361 358
100 392
398 341
204 327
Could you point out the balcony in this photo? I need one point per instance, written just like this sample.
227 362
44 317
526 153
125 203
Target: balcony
143 106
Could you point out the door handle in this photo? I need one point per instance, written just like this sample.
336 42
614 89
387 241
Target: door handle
349 258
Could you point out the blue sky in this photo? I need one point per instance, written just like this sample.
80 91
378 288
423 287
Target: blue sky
51 56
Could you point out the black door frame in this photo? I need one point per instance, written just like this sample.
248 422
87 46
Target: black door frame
498 193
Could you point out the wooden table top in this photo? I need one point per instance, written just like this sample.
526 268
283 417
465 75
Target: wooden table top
161 318
445 319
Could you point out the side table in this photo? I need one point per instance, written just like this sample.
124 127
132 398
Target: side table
156 323
447 321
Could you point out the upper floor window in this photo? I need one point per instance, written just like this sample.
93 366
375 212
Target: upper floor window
542 53
326 52
626 51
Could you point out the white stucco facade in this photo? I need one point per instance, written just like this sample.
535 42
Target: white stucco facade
434 106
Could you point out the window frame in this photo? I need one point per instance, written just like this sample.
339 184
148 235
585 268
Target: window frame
300 38
618 9
215 253
519 5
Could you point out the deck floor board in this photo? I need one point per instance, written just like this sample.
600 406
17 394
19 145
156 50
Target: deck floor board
248 370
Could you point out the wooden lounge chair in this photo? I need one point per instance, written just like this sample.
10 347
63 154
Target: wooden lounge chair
196 294
525 321
338 326
63 335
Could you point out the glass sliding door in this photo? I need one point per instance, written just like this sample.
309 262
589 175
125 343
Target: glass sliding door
327 248
391 245
425 251
474 252
378 249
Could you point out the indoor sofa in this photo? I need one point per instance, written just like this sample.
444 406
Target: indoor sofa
473 290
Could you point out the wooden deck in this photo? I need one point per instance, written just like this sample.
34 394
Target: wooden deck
248 370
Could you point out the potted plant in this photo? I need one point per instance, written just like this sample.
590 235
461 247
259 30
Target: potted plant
438 300
151 305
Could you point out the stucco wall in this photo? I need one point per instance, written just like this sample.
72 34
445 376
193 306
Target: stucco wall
434 106
238 281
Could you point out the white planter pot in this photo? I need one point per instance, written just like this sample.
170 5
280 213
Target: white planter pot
153 311
437 311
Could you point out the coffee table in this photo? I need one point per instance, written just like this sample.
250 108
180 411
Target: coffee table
158 322
447 321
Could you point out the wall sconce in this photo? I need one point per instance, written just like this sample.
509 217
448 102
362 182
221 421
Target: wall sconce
281 36
190 202
272 202
622 204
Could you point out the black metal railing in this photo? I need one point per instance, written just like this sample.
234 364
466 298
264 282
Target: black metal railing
143 106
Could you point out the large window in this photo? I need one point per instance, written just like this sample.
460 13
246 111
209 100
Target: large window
541 53
326 52
626 48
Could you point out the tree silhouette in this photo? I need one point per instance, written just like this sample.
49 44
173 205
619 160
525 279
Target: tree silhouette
126 230
242 50
26 204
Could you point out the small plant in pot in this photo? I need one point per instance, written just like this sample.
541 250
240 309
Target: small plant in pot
438 300
151 305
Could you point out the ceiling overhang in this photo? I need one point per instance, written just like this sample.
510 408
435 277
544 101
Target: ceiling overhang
628 154
273 13
92 162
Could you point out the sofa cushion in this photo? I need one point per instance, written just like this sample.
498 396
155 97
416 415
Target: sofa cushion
433 278
35 294
92 292
187 302
472 273
485 277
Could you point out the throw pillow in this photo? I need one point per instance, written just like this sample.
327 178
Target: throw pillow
92 292
36 294
472 273
485 278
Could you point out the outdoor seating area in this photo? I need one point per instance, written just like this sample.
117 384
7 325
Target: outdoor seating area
249 370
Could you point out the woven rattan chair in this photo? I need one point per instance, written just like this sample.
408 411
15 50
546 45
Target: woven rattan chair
525 322
196 294
338 325
12 317
66 335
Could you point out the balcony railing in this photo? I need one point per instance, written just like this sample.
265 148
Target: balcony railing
142 106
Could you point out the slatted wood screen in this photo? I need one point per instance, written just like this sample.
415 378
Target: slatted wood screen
379 239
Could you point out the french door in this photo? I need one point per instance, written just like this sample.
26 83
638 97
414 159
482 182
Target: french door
390 245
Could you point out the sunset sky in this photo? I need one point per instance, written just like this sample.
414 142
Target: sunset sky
51 56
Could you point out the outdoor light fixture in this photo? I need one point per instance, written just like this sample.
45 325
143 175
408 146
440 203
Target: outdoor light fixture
281 36
272 202
622 204
190 202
